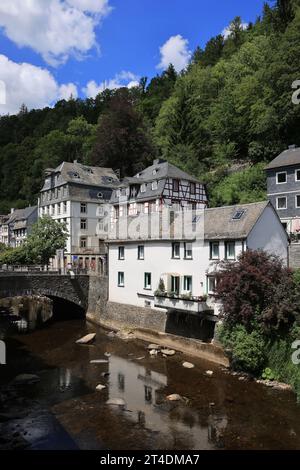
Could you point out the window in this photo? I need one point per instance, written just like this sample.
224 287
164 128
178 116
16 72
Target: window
101 225
192 188
238 214
121 252
297 201
82 242
118 193
281 177
154 185
187 283
141 252
53 209
100 195
211 284
143 188
65 207
146 207
58 208
120 279
188 250
175 284
101 211
176 250
83 224
176 185
281 202
132 209
83 208
147 304
230 250
147 281
297 175
214 250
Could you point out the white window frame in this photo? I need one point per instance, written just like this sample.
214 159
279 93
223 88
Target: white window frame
185 283
226 246
211 255
85 223
296 205
121 248
211 278
147 286
298 169
173 250
186 249
281 208
83 208
121 283
143 188
139 252
154 185
281 173
83 242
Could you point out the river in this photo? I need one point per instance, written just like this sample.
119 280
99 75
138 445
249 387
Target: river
64 411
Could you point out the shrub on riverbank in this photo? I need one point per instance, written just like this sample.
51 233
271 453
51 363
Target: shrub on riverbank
261 305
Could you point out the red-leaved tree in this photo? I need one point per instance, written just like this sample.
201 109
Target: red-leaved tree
257 289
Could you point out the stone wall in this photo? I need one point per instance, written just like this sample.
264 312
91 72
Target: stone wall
294 255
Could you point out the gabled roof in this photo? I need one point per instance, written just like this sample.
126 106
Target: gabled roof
219 222
21 214
163 169
288 157
82 174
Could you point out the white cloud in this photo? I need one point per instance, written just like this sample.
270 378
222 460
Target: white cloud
67 90
226 31
34 86
122 79
56 29
175 51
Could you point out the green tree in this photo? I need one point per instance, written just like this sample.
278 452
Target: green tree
46 237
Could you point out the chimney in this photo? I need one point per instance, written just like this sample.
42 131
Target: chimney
292 147
75 161
12 210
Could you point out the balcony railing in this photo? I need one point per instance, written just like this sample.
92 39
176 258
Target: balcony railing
181 302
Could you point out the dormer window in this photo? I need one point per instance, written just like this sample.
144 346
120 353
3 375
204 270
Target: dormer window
118 193
75 175
100 195
238 214
143 188
154 171
154 185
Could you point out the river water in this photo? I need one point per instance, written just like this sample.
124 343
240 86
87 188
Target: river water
64 411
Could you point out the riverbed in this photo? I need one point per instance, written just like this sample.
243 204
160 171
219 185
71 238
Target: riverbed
63 410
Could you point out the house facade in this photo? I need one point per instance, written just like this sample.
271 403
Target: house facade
159 185
16 227
78 195
283 187
178 274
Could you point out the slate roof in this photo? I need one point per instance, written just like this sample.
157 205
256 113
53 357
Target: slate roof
219 223
82 174
159 171
21 214
288 157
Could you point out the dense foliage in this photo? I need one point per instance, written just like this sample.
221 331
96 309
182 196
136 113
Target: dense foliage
46 237
220 119
261 316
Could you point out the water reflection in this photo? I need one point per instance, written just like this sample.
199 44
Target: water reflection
143 390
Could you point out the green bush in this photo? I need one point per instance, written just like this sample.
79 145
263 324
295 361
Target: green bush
268 374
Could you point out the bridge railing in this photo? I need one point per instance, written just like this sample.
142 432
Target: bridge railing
39 269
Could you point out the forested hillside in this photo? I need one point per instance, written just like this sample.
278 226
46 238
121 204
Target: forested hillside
221 119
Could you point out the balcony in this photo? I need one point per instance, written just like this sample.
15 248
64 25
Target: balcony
180 302
89 250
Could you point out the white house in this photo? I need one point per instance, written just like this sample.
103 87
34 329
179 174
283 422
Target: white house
185 266
78 195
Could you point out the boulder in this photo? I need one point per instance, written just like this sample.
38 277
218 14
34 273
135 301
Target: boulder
168 352
116 402
100 387
153 346
188 365
98 361
174 397
26 379
86 339
107 354
209 373
153 352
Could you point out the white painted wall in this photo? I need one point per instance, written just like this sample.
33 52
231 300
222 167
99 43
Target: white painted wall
269 235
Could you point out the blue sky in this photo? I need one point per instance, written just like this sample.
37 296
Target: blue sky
76 45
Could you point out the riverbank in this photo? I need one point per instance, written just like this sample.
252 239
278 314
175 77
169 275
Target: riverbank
218 410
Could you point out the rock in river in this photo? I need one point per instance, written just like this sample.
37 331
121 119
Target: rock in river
153 346
209 373
86 339
188 365
174 397
26 379
98 361
100 387
168 352
116 402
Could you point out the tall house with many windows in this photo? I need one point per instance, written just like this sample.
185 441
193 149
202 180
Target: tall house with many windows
283 186
78 195
161 184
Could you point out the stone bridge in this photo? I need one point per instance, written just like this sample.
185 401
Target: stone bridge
83 290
